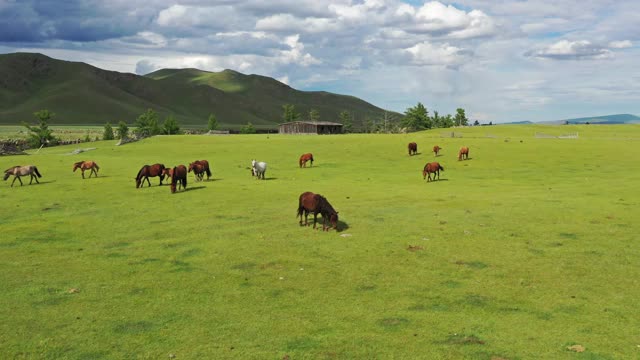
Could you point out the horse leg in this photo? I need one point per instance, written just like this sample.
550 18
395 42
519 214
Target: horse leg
149 182
14 180
315 219
33 176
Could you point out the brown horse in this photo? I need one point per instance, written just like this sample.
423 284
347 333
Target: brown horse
304 158
86 165
25 170
413 148
179 178
148 171
167 172
432 168
198 171
317 204
464 152
436 149
204 168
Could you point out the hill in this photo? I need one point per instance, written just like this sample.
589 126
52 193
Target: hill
86 95
605 119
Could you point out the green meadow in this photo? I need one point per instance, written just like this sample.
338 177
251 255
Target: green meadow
522 251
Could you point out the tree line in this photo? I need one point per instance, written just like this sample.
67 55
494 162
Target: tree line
415 119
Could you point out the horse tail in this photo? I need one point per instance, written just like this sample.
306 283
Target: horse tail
97 167
184 179
208 171
440 167
35 170
312 159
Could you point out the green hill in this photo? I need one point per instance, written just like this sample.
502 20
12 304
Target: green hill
82 94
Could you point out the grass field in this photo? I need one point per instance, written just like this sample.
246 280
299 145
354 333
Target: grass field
521 251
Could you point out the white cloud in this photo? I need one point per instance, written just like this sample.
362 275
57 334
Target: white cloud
296 54
565 50
425 54
623 44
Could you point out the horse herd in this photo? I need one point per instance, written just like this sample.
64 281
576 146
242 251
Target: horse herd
308 202
435 167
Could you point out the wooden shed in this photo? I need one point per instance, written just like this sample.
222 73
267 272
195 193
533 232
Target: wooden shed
310 127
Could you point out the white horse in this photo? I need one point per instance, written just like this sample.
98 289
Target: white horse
258 169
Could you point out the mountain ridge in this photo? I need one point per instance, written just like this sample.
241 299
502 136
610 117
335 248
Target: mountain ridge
83 94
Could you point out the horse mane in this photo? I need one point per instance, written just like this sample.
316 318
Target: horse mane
324 206
78 163
140 172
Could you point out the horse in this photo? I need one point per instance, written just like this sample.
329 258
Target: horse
198 170
179 177
436 149
205 168
167 172
148 171
464 151
258 169
309 202
413 148
25 170
432 168
86 165
304 158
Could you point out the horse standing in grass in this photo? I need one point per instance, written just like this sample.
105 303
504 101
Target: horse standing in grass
317 204
167 172
86 165
432 168
304 158
436 150
198 171
25 170
148 171
179 178
413 148
464 152
204 168
258 168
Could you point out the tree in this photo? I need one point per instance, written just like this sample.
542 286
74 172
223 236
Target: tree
460 119
447 121
170 126
212 124
314 115
123 130
248 129
289 113
476 123
346 121
416 118
108 132
41 134
147 124
436 120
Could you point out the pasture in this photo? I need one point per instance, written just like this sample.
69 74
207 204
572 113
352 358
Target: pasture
520 252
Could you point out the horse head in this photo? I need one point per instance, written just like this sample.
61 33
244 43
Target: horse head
334 220
77 165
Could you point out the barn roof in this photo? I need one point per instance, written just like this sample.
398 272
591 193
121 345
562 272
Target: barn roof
313 123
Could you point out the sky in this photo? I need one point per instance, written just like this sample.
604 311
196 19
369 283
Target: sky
500 60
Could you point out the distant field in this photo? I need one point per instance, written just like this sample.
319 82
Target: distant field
524 250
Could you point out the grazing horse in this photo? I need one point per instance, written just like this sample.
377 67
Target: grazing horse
413 148
432 168
436 149
304 158
179 177
25 170
317 204
464 151
167 172
86 165
148 171
258 168
198 170
204 168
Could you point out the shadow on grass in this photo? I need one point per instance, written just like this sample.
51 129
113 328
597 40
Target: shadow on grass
193 188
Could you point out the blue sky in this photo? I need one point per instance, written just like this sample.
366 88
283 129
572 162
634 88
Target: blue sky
501 61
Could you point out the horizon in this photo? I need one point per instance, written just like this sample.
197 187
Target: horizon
507 62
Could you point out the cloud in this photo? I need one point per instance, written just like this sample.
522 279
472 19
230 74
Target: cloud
425 54
620 44
572 50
